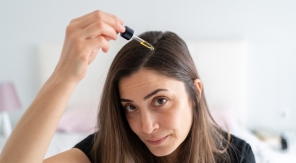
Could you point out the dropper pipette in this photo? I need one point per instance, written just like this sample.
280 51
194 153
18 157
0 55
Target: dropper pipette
129 34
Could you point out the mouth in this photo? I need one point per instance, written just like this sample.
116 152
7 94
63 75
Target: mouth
157 141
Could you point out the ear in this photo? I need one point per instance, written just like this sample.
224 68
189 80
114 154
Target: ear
198 84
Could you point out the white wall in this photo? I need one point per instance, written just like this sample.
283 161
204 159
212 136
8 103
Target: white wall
269 26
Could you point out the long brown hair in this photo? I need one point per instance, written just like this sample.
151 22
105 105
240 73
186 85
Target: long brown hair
117 143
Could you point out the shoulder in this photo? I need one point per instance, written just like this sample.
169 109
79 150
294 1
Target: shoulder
240 151
85 146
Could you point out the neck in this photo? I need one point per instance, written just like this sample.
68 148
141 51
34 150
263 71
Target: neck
171 158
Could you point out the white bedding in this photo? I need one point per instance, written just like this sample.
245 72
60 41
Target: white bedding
62 141
264 153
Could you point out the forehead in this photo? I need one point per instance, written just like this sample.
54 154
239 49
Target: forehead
146 80
141 77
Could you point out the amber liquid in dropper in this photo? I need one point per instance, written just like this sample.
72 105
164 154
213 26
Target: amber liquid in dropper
143 42
146 44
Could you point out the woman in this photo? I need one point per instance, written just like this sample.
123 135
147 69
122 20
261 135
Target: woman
152 107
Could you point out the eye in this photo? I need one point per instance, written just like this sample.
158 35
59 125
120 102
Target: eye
160 101
130 108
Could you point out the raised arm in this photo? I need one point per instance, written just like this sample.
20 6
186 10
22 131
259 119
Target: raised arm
85 35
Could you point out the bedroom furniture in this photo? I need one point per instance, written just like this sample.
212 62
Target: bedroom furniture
8 101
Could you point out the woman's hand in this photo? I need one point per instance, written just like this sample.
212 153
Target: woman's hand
84 37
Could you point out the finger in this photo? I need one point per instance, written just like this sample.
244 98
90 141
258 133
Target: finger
107 38
106 46
110 19
97 29
93 55
81 17
99 42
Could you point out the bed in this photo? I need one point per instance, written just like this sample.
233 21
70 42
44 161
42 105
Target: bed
223 68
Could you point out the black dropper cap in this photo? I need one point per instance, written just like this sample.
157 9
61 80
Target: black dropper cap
128 34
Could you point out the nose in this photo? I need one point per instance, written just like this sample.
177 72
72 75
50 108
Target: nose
148 122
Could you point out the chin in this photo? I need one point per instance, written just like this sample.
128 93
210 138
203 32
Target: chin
161 151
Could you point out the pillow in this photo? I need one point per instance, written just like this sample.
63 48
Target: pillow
78 118
225 118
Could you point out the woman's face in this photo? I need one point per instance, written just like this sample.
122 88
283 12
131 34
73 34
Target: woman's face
158 110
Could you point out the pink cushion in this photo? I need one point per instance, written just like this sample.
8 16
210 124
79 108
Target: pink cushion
225 118
78 118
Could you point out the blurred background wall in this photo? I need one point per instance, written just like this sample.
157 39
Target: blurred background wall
268 26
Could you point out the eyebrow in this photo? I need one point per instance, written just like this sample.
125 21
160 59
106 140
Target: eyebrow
147 96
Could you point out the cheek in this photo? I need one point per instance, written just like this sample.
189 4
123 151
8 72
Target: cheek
182 118
169 119
134 124
177 117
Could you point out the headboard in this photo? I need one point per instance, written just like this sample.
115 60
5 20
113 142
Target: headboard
222 66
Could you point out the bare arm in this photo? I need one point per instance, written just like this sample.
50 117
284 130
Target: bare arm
71 156
30 139
33 133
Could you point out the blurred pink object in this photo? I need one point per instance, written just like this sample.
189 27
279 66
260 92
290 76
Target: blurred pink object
226 119
79 118
8 97
8 101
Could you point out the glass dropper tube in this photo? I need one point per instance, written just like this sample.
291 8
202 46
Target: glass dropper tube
129 33
143 42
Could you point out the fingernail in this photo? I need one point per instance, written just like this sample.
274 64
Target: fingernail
123 28
121 21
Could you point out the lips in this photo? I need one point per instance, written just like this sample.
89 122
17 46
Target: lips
157 141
